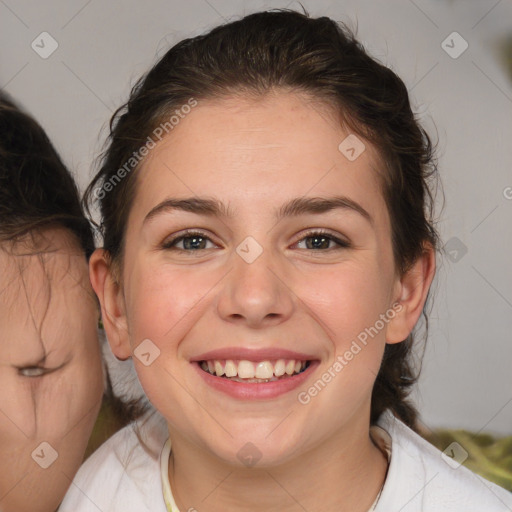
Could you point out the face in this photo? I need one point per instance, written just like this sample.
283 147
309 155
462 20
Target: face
256 247
51 380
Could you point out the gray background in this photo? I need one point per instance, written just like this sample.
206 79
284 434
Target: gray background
465 102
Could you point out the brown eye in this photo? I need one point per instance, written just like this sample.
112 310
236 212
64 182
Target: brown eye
191 242
321 241
318 242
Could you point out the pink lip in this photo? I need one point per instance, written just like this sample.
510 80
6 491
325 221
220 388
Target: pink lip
255 391
265 354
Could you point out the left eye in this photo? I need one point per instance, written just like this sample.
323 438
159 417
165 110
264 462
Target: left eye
32 371
321 241
191 241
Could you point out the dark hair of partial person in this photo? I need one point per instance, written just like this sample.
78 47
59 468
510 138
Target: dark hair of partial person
36 189
284 50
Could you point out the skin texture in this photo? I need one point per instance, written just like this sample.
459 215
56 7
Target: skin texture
47 308
254 156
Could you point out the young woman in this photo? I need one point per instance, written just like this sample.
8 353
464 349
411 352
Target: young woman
268 250
51 379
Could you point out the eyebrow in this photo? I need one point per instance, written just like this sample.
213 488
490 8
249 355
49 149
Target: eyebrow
295 207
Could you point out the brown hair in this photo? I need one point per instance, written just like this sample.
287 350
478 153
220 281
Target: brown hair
284 49
36 189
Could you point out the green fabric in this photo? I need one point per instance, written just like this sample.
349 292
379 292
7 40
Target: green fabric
107 424
488 456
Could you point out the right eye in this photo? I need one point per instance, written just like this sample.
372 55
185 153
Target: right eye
32 371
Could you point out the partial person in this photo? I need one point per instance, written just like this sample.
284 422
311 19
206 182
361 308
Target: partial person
51 372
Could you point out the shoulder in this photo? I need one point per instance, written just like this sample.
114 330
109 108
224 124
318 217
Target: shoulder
420 477
121 475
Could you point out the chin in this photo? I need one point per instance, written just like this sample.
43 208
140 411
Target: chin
252 449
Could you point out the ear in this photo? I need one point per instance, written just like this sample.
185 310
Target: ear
412 290
112 303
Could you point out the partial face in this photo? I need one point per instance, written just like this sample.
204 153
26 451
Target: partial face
51 379
273 283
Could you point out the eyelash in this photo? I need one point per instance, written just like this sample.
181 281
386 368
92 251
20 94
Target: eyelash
33 372
169 244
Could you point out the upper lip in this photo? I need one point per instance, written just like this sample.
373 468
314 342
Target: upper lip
261 354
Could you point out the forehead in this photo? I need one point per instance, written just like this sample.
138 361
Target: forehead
44 296
257 151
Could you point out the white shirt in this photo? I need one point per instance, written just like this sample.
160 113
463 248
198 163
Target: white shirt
121 476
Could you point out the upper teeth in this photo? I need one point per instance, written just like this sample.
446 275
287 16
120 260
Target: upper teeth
249 370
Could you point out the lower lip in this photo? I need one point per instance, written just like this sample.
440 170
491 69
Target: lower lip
255 391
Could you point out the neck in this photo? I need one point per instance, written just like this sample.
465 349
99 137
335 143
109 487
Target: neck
343 473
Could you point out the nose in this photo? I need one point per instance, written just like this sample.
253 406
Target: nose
256 294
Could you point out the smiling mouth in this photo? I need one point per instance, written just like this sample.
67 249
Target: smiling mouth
254 372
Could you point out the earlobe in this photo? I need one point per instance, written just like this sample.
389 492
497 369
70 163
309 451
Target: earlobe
412 294
112 304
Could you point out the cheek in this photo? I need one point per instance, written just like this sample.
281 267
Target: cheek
163 306
74 420
348 303
163 301
347 300
69 403
60 409
17 417
69 400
